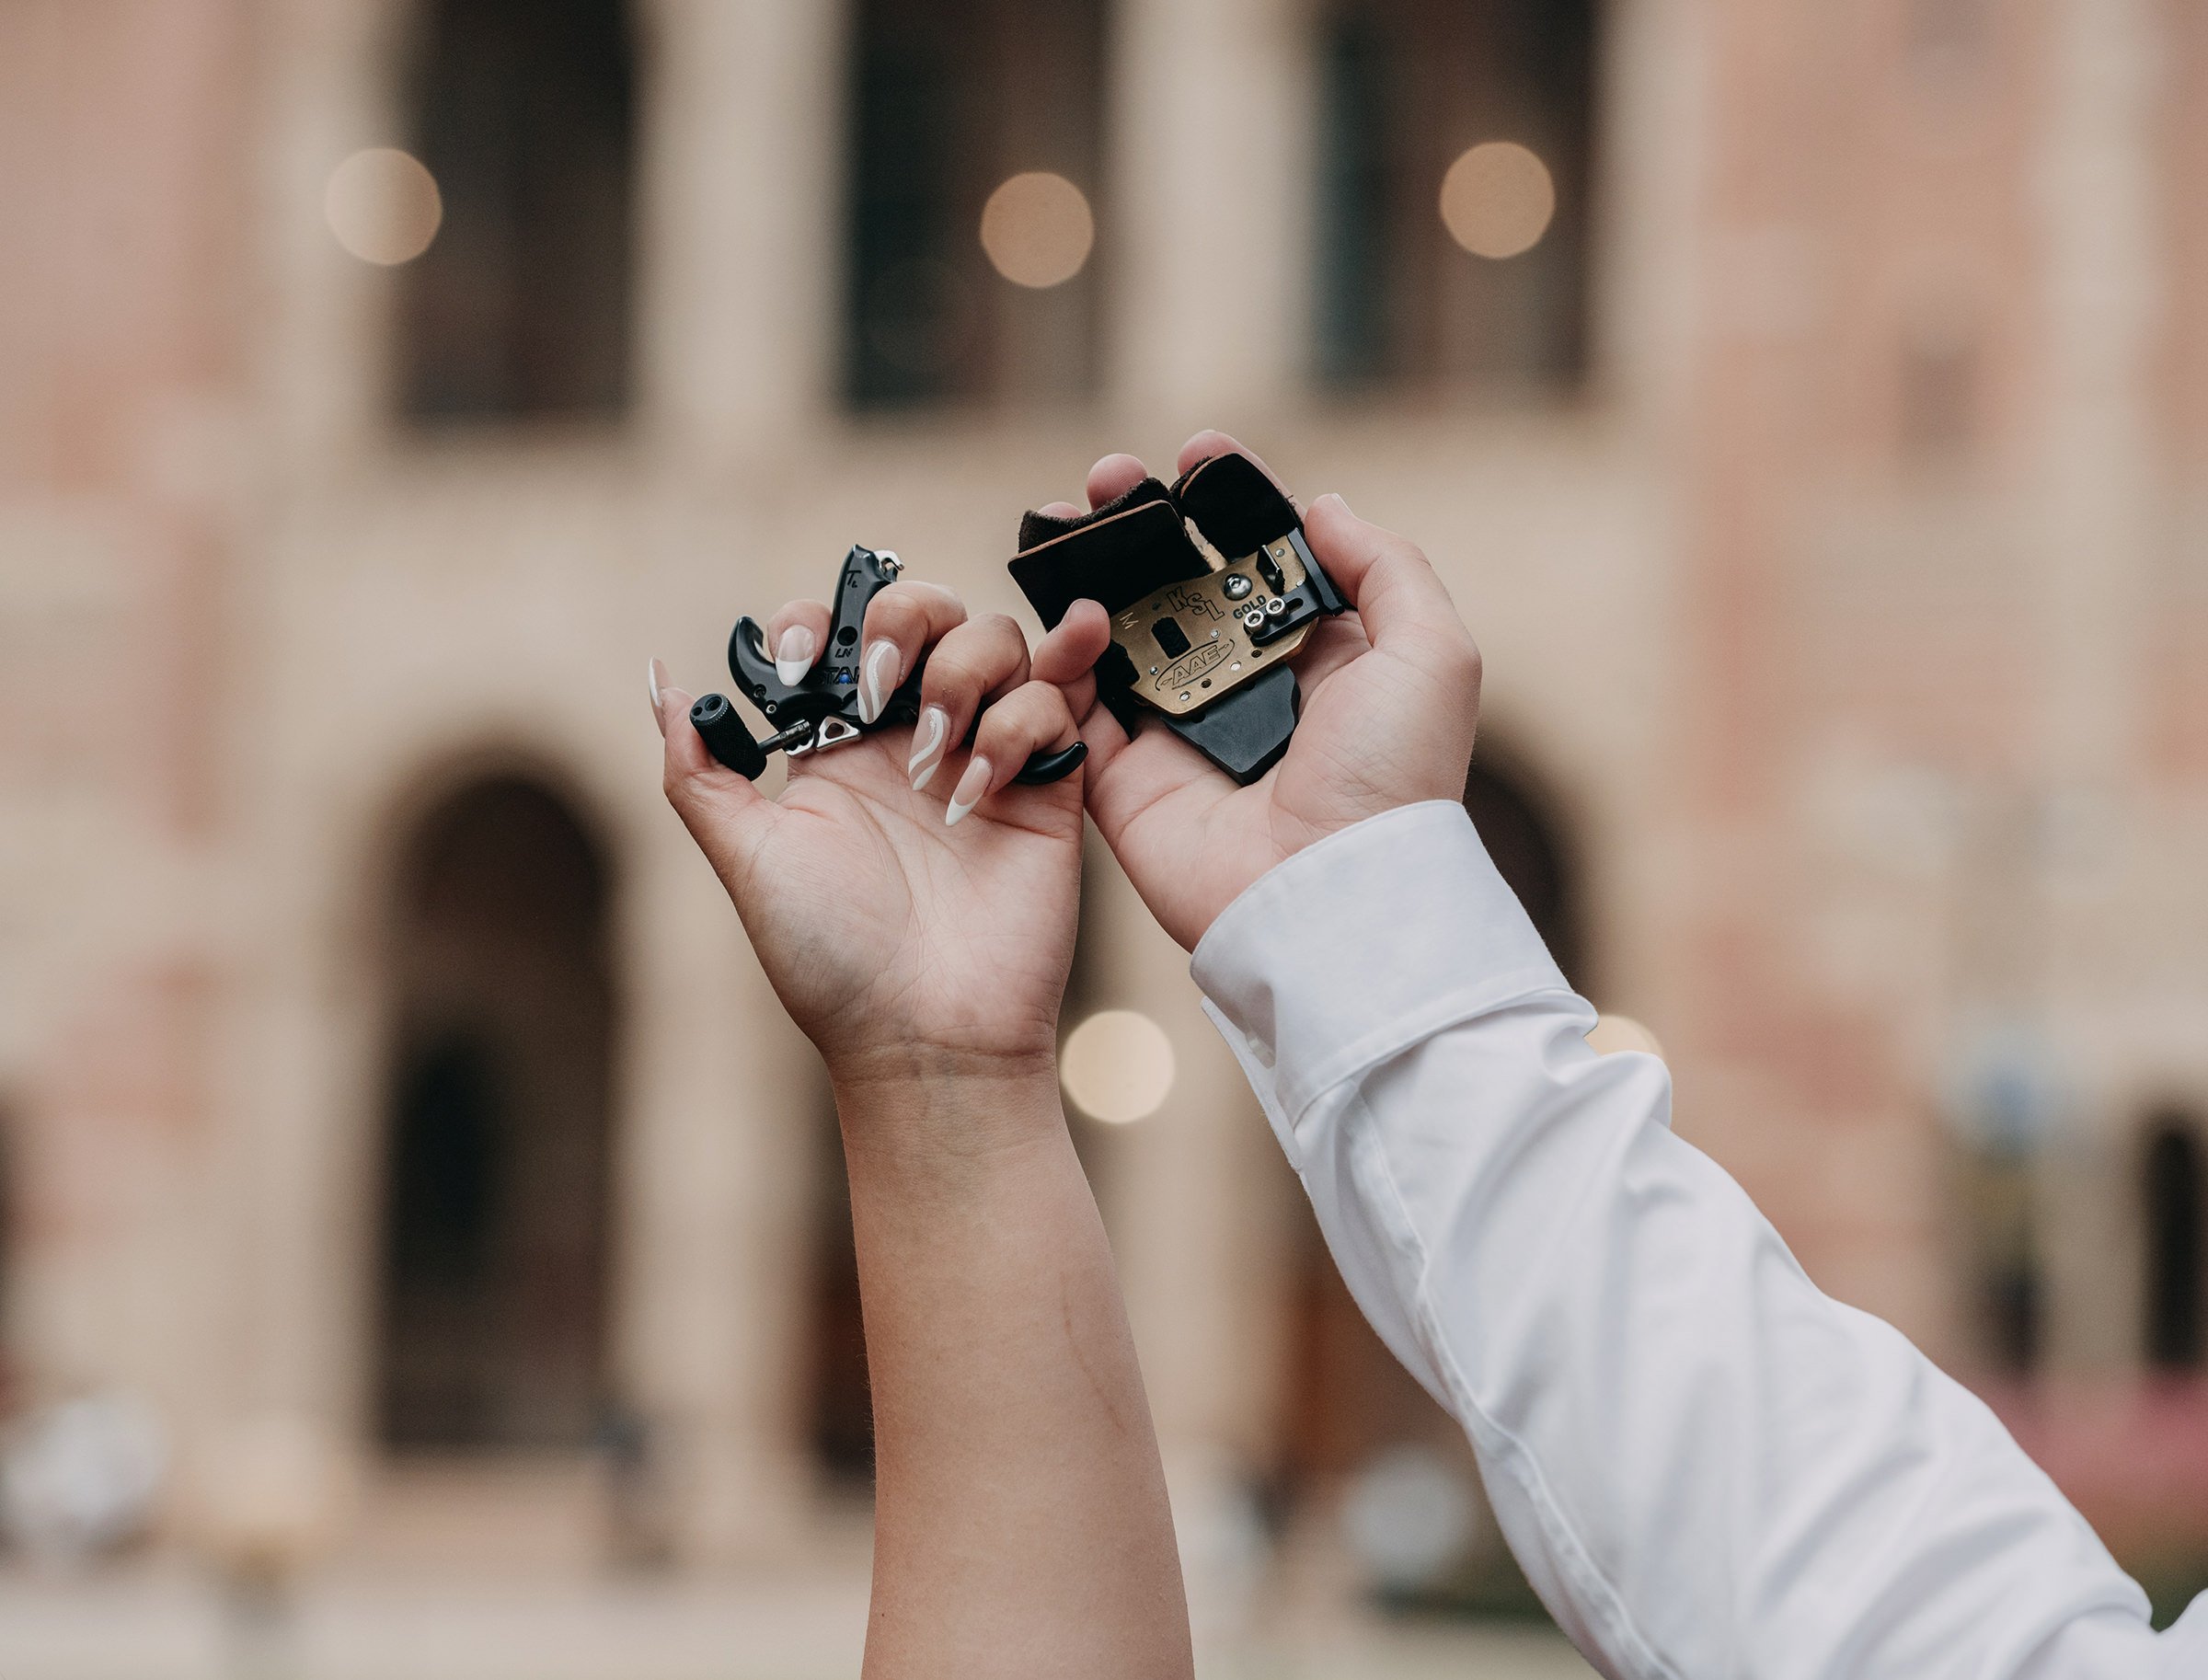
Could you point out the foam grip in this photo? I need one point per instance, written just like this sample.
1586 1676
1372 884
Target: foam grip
726 738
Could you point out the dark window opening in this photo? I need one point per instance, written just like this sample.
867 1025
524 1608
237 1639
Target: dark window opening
448 1142
2176 1247
2012 1309
1999 1188
11 1375
1524 840
1354 211
524 111
495 1167
1406 88
950 98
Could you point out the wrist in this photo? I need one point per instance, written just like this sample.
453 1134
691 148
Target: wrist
907 1069
932 1112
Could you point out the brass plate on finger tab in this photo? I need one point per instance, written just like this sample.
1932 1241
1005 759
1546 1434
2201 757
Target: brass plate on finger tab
1192 642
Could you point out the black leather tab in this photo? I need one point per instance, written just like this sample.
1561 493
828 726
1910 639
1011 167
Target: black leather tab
1117 555
1236 507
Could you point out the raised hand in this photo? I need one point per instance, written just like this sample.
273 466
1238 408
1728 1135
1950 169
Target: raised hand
900 932
915 914
1391 700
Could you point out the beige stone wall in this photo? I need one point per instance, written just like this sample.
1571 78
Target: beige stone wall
1796 693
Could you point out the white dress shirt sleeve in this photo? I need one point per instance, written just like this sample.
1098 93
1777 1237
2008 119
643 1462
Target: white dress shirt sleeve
1705 1467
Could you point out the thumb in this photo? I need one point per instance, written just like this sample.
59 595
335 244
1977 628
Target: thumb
726 815
1397 595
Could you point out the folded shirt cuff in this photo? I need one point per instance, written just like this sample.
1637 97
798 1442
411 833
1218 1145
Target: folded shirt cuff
1362 945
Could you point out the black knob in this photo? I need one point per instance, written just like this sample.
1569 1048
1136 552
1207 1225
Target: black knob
726 738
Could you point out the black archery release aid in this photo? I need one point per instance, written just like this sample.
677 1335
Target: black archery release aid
1202 630
821 709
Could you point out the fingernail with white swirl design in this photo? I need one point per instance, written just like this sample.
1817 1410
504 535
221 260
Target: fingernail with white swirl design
876 671
930 735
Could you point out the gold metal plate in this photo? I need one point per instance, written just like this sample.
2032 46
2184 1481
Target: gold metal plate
1219 657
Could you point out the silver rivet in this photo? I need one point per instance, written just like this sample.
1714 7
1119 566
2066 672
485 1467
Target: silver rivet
1237 586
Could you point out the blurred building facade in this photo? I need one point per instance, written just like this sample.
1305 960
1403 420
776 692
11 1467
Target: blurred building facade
1826 481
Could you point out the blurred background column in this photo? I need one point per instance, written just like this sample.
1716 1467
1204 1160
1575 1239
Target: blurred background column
712 1228
2101 510
741 153
1211 132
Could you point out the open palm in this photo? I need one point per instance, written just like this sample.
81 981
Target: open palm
896 939
1391 701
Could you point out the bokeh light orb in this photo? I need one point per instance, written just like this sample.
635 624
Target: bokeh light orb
1037 229
1498 199
1408 1515
384 206
1117 1066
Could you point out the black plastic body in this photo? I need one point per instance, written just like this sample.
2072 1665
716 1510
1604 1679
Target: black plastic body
831 688
795 711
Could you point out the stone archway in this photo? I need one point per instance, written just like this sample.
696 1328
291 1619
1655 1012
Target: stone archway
494 1209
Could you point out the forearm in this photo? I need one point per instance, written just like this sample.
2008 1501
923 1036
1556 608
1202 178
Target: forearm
1021 1524
1706 1466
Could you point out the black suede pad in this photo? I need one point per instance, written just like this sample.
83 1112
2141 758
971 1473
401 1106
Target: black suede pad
1236 507
1136 544
1116 554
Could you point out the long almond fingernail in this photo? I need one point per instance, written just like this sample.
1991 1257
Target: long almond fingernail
929 737
874 675
655 675
793 659
972 785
